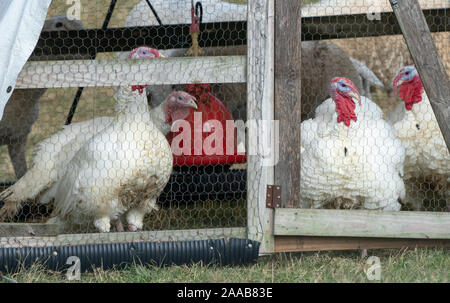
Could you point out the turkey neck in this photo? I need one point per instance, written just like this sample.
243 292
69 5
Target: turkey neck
158 117
131 105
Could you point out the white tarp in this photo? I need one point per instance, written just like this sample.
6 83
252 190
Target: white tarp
21 22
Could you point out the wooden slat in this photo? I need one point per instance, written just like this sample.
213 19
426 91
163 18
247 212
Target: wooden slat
260 94
362 223
308 243
288 30
426 57
150 236
28 229
89 73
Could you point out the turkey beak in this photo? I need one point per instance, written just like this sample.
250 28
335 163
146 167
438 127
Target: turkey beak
192 103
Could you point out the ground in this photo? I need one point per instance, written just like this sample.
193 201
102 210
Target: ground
400 265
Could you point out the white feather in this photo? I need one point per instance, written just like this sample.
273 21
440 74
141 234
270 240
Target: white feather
363 162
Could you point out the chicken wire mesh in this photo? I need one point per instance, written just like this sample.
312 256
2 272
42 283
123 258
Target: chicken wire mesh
202 192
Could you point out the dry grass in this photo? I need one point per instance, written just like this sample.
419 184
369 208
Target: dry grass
419 265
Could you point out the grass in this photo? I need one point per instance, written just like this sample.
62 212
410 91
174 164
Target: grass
405 265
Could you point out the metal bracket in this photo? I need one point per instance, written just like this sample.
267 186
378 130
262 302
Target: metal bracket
273 196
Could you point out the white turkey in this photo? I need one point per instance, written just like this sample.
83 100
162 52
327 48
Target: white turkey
22 109
353 156
53 154
122 169
415 124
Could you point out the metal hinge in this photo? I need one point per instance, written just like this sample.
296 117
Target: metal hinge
273 196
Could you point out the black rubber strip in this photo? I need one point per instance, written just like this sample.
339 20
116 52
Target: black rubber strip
221 252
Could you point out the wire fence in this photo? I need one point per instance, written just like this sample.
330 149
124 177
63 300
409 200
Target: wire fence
111 167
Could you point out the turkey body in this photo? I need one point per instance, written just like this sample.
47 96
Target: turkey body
50 158
362 162
426 151
352 164
427 156
122 168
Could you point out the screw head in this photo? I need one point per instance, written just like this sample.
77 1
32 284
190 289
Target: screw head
9 89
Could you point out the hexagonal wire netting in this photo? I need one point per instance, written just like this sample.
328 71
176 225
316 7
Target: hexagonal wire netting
99 168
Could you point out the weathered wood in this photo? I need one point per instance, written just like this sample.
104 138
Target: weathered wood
426 58
308 243
28 229
288 31
90 73
147 236
260 95
358 25
219 34
362 223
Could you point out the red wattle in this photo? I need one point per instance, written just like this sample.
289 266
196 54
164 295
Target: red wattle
345 109
411 92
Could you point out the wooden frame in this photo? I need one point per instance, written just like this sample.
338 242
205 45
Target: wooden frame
140 236
306 229
260 95
362 223
271 86
90 73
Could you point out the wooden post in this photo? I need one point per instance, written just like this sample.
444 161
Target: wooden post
260 94
428 63
288 34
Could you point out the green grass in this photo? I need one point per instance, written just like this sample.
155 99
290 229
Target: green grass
420 265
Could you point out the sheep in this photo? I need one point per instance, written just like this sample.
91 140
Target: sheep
22 109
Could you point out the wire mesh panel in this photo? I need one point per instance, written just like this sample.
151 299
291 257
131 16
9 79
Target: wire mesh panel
117 141
148 146
377 151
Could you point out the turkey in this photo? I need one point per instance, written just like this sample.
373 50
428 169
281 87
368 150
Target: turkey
22 109
415 124
121 169
353 156
54 153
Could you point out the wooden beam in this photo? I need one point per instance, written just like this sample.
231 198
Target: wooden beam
140 236
362 223
307 243
288 31
358 25
28 229
90 73
219 34
426 58
260 95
